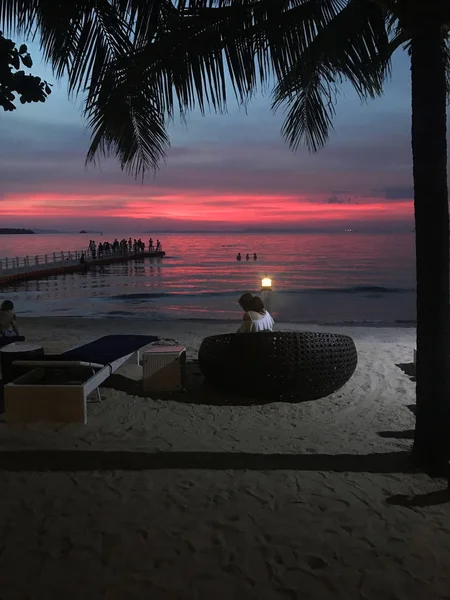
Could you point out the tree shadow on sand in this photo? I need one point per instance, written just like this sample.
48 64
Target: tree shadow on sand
409 369
128 460
101 460
420 500
408 434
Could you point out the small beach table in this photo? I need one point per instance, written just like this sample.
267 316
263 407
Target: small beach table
164 368
17 351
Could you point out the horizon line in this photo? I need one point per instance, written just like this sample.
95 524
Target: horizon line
215 231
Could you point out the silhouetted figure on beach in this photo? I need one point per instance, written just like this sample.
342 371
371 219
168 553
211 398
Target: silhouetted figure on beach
247 257
239 257
158 246
150 245
254 256
8 322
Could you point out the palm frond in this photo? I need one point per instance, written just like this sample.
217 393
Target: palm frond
190 54
144 18
14 14
311 111
83 39
77 37
182 51
251 40
130 127
350 47
313 43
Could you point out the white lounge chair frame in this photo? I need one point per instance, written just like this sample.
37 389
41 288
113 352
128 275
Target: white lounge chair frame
26 400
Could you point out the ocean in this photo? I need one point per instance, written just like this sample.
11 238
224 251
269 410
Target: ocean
317 278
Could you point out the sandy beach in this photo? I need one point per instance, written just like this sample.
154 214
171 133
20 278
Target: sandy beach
299 501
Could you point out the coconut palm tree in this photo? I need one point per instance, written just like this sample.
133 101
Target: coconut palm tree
139 59
310 47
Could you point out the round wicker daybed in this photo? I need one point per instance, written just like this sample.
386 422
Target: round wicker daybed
293 366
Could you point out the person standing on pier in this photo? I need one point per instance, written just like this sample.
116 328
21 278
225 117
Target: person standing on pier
158 246
93 248
150 245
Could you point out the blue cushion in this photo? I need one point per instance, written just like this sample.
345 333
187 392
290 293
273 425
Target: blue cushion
106 349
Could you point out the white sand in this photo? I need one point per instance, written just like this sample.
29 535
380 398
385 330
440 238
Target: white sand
300 530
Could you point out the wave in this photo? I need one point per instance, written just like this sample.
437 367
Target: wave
156 295
359 289
362 289
399 323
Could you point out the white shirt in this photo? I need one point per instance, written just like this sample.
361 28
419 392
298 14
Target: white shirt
257 322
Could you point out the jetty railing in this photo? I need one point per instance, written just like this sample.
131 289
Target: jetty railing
36 262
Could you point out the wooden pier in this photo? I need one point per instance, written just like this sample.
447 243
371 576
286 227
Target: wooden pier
40 266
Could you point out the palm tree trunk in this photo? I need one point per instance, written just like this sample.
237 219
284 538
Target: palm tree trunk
429 144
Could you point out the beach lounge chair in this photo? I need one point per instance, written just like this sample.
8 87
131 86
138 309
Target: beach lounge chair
55 387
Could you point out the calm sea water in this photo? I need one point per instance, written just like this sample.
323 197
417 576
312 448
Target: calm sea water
339 278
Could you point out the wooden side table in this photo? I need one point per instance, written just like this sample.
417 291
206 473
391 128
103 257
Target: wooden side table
17 351
164 368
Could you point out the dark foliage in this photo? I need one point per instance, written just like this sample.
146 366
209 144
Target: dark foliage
14 81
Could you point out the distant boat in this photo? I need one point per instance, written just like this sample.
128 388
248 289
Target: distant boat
83 231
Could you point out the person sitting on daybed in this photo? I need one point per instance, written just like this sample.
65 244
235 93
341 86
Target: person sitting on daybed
256 317
8 323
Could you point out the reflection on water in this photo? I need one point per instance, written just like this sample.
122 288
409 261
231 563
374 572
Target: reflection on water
348 277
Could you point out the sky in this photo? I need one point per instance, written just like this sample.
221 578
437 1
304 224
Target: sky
223 172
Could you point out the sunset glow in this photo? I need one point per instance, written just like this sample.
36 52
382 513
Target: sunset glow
229 210
223 172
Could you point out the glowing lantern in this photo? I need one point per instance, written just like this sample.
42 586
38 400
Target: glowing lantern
266 284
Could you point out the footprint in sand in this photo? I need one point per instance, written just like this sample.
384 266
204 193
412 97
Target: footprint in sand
315 562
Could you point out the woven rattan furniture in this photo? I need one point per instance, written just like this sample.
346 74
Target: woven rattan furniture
293 366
